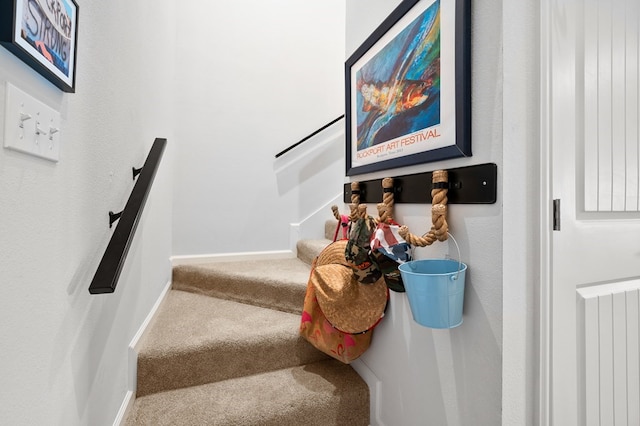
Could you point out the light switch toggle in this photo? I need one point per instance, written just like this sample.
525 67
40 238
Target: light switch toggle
39 131
31 126
52 131
24 117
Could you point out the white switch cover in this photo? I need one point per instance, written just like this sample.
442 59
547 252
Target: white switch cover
31 126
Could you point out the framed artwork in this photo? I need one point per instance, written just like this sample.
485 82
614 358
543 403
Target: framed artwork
408 88
43 33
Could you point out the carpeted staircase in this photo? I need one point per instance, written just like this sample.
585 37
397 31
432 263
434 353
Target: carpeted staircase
224 349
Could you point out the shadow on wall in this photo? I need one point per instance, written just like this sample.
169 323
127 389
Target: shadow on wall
85 342
316 157
410 383
428 375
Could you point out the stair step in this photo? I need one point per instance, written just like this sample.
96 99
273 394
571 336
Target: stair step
275 283
330 229
325 393
309 249
224 349
197 340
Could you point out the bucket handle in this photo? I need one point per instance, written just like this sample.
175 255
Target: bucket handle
459 257
453 278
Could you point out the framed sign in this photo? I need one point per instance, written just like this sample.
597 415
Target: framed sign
408 88
43 33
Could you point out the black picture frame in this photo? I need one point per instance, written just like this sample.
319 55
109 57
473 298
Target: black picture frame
44 35
408 88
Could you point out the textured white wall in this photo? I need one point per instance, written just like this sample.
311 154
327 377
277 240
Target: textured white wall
521 209
64 352
63 359
253 78
448 377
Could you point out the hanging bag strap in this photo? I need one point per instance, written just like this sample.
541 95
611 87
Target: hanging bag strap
343 223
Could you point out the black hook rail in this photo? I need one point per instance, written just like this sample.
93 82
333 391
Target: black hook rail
106 277
467 185
329 124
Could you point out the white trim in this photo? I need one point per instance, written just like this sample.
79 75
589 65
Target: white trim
134 345
611 288
294 237
519 184
229 257
132 351
127 403
543 411
375 393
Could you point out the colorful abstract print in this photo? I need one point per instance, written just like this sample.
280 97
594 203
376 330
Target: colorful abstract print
398 89
48 27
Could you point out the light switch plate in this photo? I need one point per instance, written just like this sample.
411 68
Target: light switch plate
30 126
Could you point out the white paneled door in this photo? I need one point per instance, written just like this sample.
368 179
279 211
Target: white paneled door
590 101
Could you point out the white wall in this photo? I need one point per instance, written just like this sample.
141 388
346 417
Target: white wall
253 78
521 209
64 352
447 377
64 357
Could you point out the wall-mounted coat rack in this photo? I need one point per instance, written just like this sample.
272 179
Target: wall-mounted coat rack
467 185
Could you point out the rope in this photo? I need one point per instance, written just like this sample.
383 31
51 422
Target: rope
358 211
336 212
355 192
362 211
439 227
355 201
385 209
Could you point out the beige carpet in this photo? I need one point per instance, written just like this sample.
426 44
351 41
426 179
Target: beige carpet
224 349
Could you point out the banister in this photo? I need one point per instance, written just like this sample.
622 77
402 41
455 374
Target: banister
331 123
108 272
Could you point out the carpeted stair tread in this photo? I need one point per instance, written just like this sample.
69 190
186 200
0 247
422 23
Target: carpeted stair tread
196 340
330 229
224 349
309 249
325 393
272 283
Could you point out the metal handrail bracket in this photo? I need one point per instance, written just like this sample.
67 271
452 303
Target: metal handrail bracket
108 272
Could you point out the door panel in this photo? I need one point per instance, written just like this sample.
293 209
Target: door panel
608 65
593 111
608 335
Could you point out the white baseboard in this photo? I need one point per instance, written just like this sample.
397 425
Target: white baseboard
129 398
294 237
311 227
375 391
124 408
229 257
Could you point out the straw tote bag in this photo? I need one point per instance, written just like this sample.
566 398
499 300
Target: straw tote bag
314 325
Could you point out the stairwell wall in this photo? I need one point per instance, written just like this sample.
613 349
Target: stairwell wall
446 377
64 358
255 77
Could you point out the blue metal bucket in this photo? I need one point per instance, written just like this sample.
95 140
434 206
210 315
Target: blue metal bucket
435 288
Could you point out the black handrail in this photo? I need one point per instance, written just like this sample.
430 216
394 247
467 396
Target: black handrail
106 277
281 153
